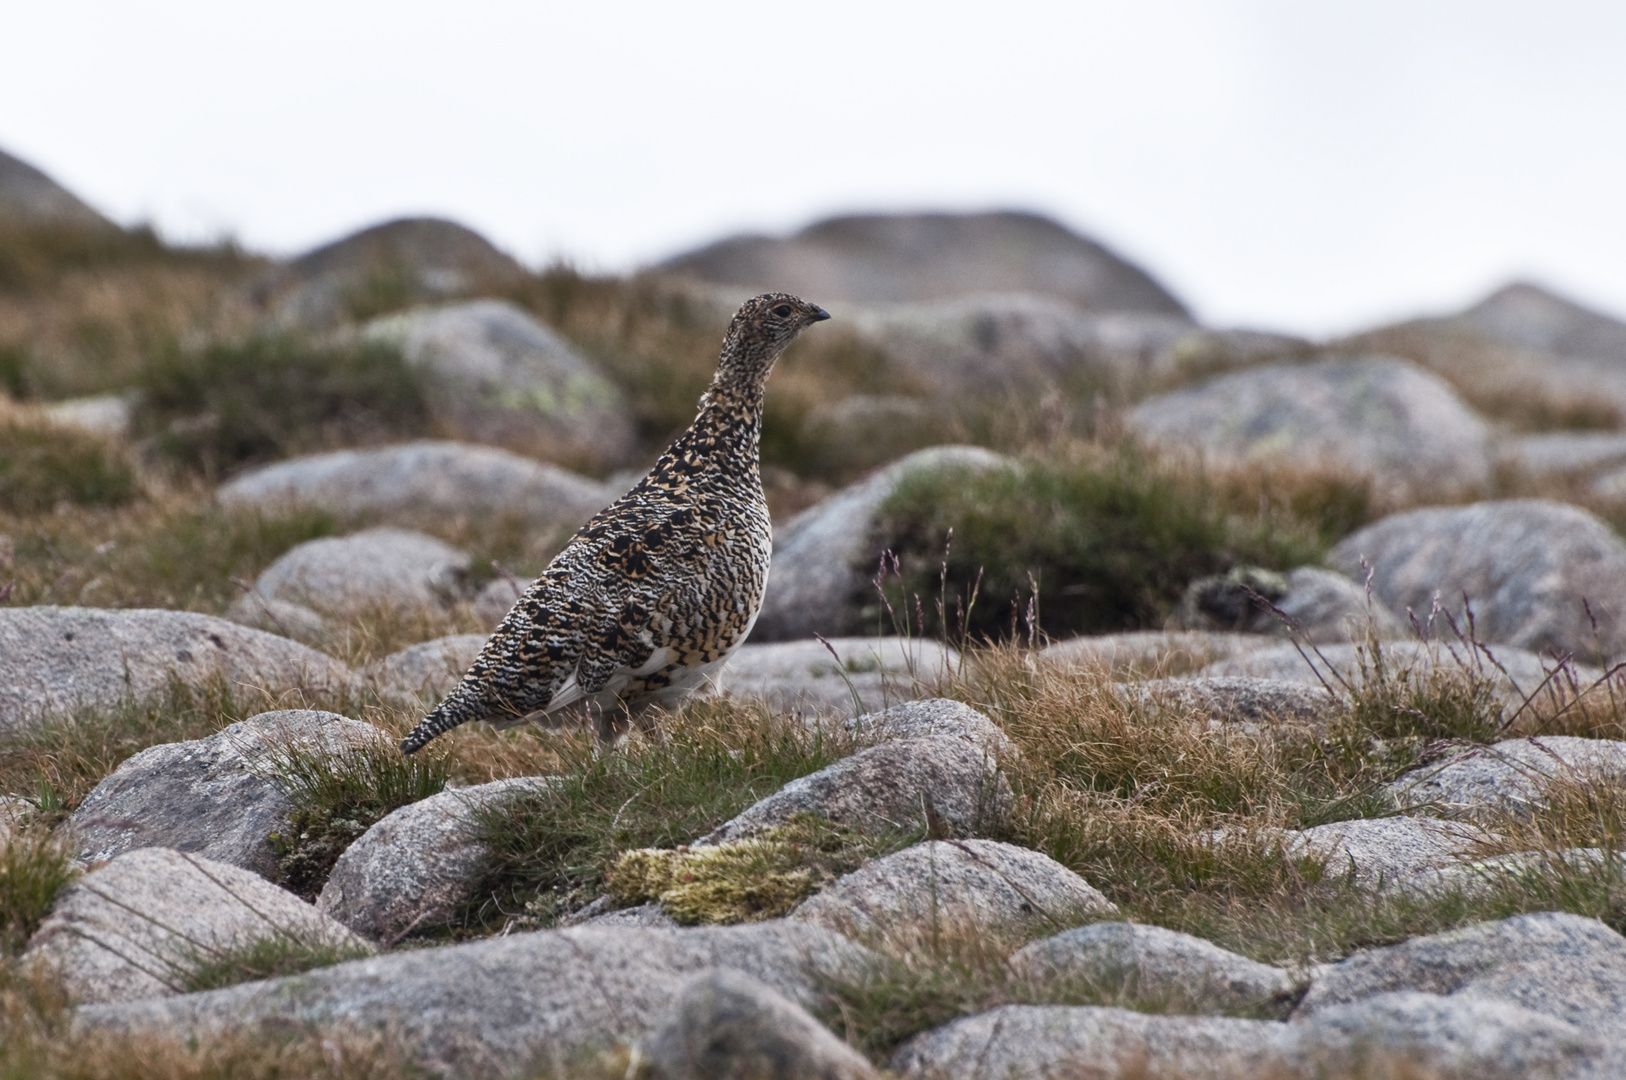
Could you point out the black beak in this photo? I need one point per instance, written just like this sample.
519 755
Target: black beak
819 314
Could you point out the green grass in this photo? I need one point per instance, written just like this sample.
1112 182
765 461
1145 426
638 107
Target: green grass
1108 541
337 794
41 466
267 957
551 850
35 865
232 404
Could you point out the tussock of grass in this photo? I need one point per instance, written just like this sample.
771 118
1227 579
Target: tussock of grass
337 794
267 957
35 865
552 849
231 404
41 466
1108 540
759 877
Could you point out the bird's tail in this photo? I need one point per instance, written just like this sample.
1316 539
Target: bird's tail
463 704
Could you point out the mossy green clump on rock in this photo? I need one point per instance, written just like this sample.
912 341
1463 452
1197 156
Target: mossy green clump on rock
747 880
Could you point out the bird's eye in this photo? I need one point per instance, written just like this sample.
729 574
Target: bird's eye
783 311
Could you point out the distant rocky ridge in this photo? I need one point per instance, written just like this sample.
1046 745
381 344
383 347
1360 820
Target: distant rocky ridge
27 194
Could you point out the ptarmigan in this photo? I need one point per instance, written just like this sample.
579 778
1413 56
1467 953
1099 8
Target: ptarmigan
649 599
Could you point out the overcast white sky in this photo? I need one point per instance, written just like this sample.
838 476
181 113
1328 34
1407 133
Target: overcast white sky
1311 165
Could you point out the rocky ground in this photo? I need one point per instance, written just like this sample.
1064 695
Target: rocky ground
1131 698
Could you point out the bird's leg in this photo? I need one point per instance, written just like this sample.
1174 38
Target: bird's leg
611 723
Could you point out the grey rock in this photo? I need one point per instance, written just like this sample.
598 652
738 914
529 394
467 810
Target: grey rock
803 677
1537 573
934 781
728 1026
865 431
138 927
1449 1036
1509 777
1384 853
28 195
1513 674
1059 1042
1146 654
824 559
1330 607
1435 1036
1402 427
508 1006
503 377
425 671
1564 453
427 480
58 659
259 612
646 915
893 257
1159 967
936 717
1473 878
402 261
496 599
1530 316
417 866
1235 699
375 570
998 887
1019 341
1559 965
216 797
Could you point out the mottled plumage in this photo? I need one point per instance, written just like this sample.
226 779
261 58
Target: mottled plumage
651 596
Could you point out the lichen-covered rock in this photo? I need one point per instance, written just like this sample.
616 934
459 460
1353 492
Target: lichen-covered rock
1538 575
728 1026
999 887
149 921
901 257
412 482
282 617
217 797
501 376
825 557
1234 699
1411 1034
511 1005
934 717
373 570
1056 1042
409 258
1560 965
1511 776
1384 853
936 782
805 677
1150 654
1399 425
425 671
1152 966
58 659
418 865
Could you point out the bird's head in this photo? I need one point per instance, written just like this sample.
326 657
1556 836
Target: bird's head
765 325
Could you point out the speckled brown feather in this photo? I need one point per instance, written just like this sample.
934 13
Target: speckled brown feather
657 590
